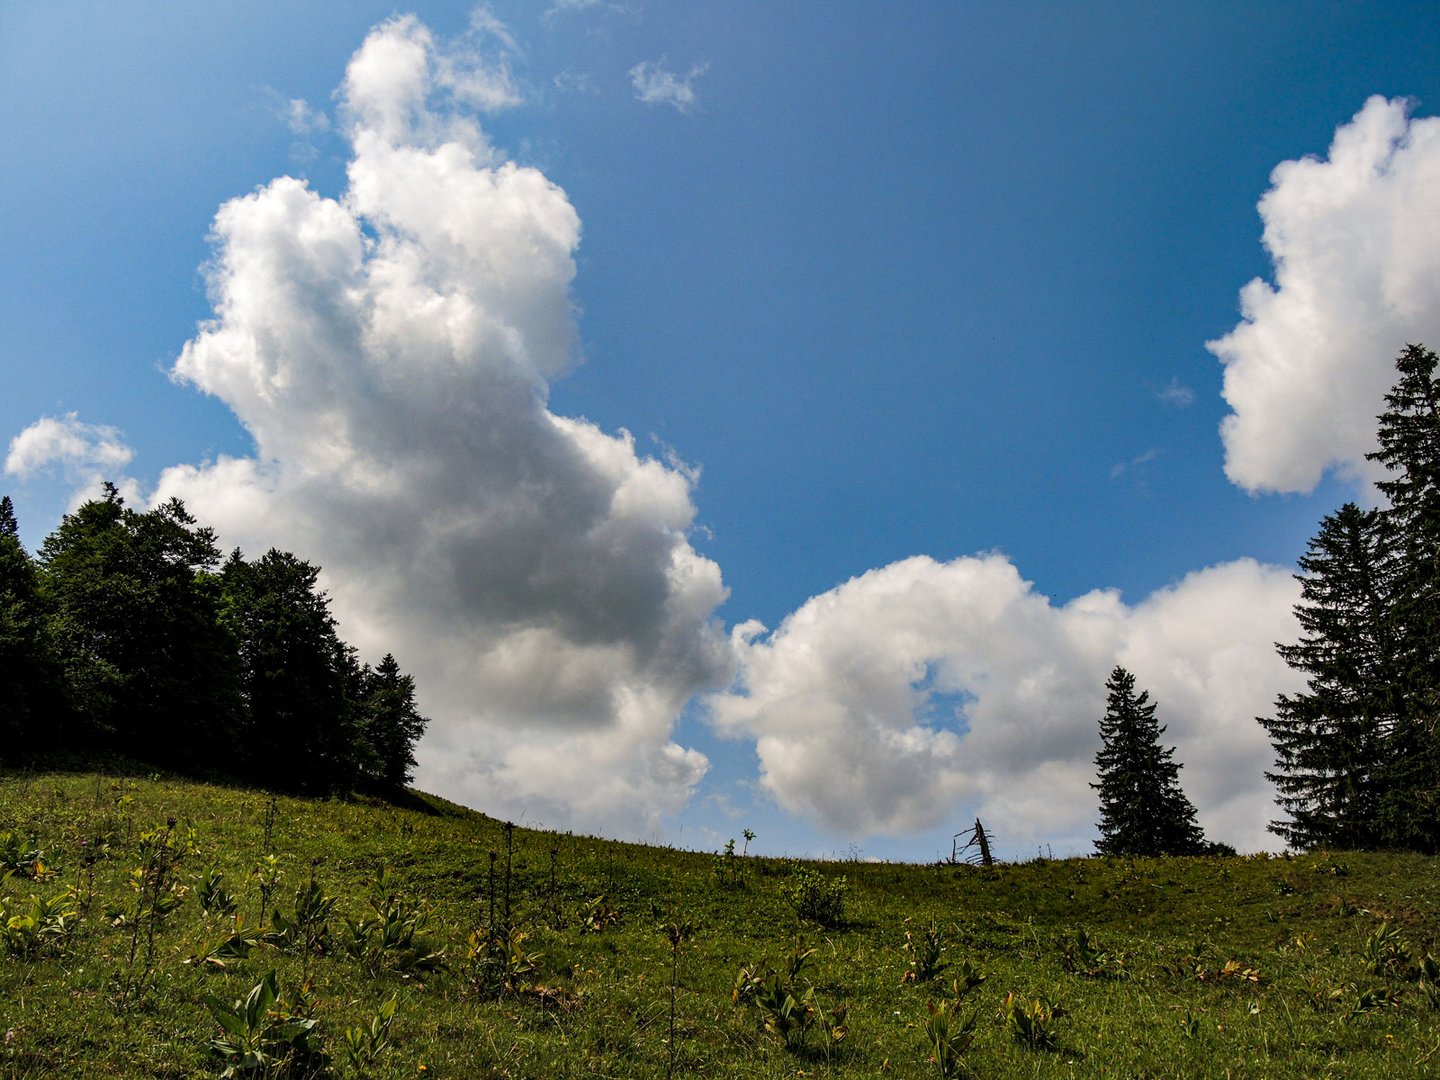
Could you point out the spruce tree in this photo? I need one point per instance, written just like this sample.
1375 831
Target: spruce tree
1333 740
1409 448
298 679
31 711
391 723
1143 811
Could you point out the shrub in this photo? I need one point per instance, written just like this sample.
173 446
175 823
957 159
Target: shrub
816 897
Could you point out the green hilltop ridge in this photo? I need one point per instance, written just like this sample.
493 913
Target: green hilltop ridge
418 938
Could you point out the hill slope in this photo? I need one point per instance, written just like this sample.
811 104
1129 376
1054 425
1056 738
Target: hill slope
1184 967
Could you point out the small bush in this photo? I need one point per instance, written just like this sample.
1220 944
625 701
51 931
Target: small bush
816 897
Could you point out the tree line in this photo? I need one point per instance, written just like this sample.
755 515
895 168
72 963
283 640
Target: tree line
1358 751
127 632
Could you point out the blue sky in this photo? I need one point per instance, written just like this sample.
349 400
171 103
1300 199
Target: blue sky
865 284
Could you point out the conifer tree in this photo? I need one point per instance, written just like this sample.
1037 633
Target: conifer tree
1143 811
392 725
1409 448
1332 740
296 674
30 697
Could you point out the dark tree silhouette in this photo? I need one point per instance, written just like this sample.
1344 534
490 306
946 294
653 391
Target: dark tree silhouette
1332 740
1143 811
132 605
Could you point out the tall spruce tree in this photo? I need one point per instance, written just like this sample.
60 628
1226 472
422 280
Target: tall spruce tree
391 724
1409 448
1143 811
297 677
31 713
1332 741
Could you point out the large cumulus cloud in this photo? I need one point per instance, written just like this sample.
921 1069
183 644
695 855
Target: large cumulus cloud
923 689
1355 240
390 353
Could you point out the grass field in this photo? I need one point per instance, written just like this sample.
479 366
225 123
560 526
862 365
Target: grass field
623 960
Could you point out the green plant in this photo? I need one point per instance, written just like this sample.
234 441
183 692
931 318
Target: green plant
1386 951
29 928
815 897
211 894
676 933
1373 1000
308 930
364 1043
1032 1020
391 935
1429 972
266 876
155 896
259 1037
727 866
949 1036
235 945
787 1009
967 978
923 957
1081 956
24 858
499 962
597 915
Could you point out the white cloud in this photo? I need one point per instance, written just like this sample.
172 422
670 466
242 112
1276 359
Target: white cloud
302 120
1177 394
1355 240
1140 460
922 693
390 353
656 84
85 455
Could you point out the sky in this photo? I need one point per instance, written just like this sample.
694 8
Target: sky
740 416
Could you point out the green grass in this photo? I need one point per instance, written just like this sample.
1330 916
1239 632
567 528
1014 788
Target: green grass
1243 967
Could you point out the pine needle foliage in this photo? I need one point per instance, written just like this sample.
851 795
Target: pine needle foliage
1143 810
1358 752
1330 741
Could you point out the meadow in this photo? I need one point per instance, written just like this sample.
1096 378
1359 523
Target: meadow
154 927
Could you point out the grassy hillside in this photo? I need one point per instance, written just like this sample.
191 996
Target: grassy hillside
1231 967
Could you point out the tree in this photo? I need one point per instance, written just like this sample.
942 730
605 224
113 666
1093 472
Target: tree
390 723
298 729
1332 742
1143 811
132 605
29 675
1409 448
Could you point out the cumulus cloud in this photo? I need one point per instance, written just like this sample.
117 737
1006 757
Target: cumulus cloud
923 693
656 84
1355 241
390 354
84 454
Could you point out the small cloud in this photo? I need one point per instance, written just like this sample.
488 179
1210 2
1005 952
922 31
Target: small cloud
477 69
577 82
302 120
1177 394
1119 469
655 84
85 454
